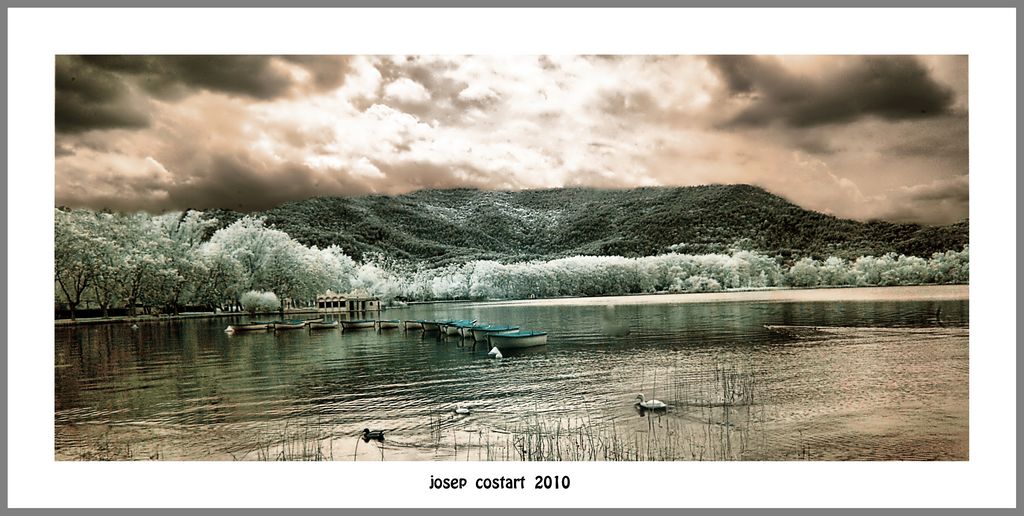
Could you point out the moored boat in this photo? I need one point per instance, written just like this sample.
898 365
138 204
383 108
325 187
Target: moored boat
413 325
431 326
482 332
311 321
289 324
358 324
251 326
455 327
321 325
389 324
518 339
466 329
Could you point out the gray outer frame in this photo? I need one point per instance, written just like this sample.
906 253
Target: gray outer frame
4 318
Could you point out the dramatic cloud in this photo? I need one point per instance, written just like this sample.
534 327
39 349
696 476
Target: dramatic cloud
94 99
406 90
863 137
891 87
101 91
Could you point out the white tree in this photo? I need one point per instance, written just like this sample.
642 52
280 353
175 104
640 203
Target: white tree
255 301
804 273
76 260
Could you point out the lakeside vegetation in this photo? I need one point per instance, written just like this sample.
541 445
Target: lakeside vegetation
172 261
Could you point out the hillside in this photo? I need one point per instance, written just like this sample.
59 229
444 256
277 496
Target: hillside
445 226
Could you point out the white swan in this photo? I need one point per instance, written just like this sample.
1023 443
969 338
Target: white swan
650 405
460 409
494 352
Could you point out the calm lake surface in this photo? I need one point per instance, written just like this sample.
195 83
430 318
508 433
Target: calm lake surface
885 379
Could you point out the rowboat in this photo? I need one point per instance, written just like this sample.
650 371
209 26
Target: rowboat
320 325
518 339
289 324
482 332
311 321
413 325
431 326
358 324
466 329
252 326
389 324
455 327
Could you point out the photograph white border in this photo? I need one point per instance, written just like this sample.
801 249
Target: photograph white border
988 479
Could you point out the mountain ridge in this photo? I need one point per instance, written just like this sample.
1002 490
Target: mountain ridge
461 224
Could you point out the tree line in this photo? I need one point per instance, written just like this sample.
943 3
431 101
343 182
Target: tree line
175 260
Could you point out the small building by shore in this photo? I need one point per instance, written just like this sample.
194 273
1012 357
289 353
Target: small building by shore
346 303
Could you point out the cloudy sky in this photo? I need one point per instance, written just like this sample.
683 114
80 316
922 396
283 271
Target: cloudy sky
862 137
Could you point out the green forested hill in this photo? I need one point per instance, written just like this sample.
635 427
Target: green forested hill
445 226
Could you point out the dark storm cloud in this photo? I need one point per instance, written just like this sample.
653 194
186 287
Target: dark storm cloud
96 91
328 71
173 76
241 183
889 87
87 98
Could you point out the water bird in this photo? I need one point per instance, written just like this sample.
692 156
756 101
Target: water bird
135 326
461 409
650 405
494 353
373 435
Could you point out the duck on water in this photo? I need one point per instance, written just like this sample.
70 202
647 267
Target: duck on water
649 404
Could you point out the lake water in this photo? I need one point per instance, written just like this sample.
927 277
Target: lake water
883 375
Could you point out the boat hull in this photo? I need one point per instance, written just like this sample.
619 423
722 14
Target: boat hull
289 326
413 325
483 335
451 330
431 326
388 325
238 328
323 325
501 341
357 325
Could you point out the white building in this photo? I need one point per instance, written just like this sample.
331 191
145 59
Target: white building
346 303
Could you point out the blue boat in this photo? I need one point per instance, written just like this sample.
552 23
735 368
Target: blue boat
455 327
483 331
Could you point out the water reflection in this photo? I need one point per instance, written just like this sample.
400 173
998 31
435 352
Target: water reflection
863 393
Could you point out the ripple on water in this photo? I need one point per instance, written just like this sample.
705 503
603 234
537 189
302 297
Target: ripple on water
875 379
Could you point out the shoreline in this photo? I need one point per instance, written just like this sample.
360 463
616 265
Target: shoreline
770 294
752 294
84 321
